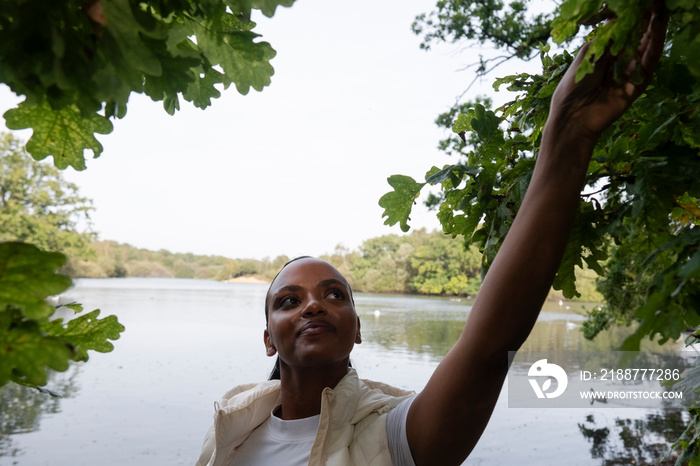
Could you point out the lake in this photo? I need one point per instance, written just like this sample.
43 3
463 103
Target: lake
151 400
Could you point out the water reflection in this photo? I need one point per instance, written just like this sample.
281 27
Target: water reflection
412 325
625 441
415 334
421 328
21 408
432 325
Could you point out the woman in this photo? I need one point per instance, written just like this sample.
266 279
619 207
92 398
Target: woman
312 324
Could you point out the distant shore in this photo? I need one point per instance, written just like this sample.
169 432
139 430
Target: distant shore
249 279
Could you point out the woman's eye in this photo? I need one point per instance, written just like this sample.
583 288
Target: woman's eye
288 301
335 294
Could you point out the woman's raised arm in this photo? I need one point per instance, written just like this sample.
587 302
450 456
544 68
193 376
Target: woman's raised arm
447 418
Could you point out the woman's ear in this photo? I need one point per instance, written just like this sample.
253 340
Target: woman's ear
269 347
358 336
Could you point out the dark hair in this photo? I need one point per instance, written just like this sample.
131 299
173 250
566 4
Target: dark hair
275 374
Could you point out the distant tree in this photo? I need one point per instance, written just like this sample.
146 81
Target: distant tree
146 268
422 262
279 262
275 266
232 269
37 205
184 269
444 266
249 267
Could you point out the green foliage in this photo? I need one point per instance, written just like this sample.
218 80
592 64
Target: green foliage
86 332
638 218
636 224
689 441
63 133
398 204
689 384
37 205
28 277
483 189
30 342
78 62
508 26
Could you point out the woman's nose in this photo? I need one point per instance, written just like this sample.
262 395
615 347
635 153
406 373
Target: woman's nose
313 307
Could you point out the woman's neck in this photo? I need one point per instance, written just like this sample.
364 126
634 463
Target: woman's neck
301 389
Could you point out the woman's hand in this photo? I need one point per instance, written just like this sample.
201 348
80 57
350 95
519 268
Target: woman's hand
591 105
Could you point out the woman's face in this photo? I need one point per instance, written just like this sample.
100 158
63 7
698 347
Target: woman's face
311 316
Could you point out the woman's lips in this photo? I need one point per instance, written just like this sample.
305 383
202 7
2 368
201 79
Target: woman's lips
315 328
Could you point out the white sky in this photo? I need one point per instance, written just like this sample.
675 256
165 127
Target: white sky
298 168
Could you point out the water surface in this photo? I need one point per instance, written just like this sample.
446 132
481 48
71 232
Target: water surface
150 401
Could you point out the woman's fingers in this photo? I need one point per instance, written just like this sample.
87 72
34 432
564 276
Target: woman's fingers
597 100
652 44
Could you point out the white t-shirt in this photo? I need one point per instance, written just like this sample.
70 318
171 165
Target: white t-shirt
288 443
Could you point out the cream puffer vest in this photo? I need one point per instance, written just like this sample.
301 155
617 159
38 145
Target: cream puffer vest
351 431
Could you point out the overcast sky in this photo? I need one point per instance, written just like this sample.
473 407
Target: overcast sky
299 167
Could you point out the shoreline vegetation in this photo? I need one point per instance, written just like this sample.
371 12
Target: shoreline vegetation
255 279
424 263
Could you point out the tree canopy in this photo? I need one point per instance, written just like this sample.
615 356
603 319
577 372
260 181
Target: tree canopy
37 205
78 62
638 216
637 219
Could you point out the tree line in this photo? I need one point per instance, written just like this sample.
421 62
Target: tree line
110 259
37 205
423 262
